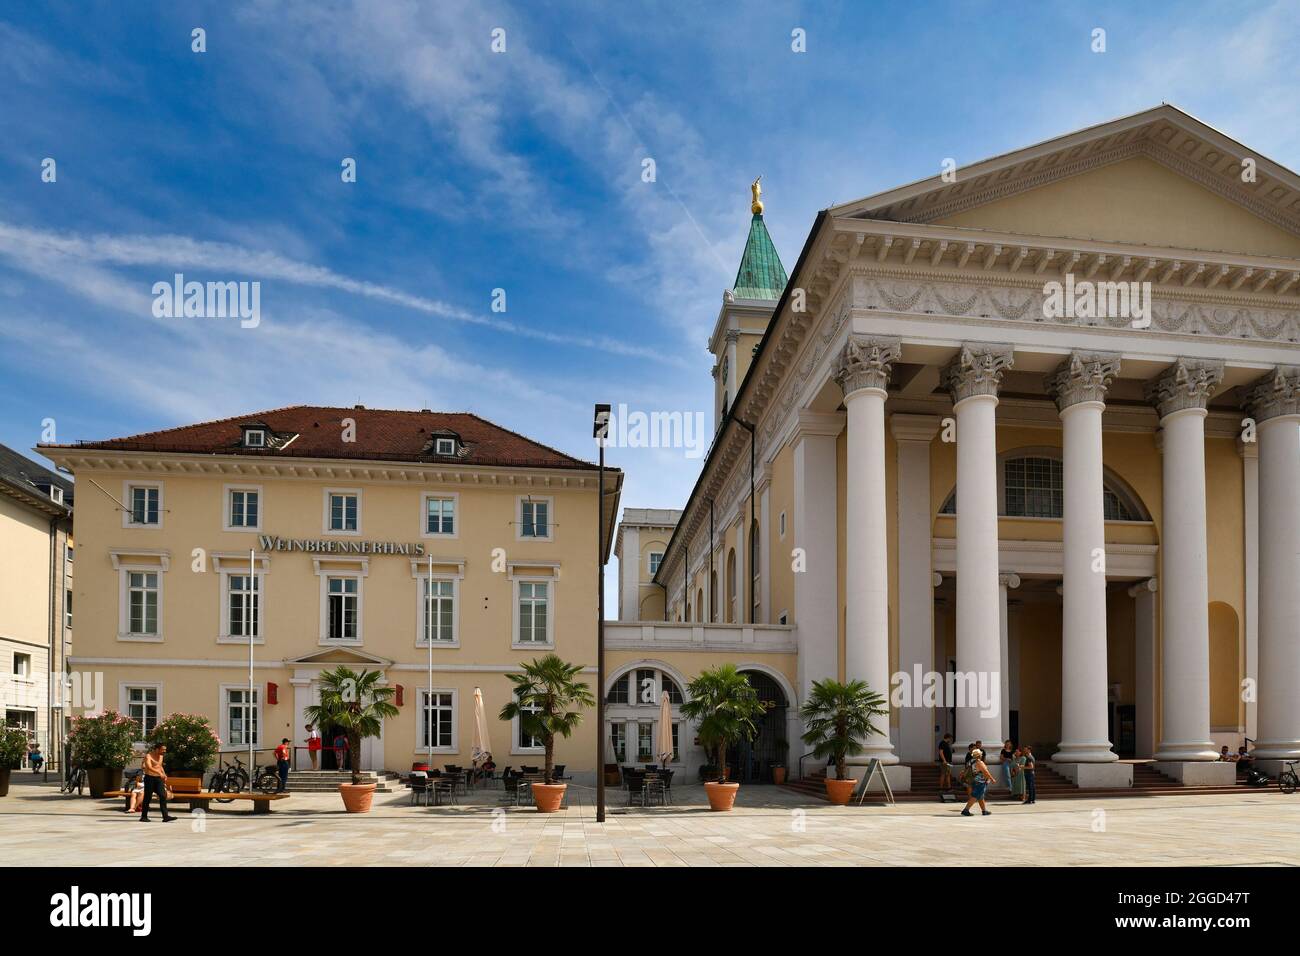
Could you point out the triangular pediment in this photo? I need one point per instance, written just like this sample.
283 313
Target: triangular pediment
333 656
1160 178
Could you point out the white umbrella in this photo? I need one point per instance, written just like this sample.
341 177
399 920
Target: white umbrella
665 729
482 742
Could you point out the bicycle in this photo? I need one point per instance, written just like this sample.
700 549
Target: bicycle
1288 780
75 780
234 779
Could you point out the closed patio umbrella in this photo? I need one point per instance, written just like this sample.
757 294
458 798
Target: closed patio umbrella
665 741
482 742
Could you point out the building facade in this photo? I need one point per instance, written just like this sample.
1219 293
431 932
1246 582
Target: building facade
405 542
36 560
1028 433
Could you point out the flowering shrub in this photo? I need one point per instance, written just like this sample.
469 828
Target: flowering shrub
103 740
191 742
13 744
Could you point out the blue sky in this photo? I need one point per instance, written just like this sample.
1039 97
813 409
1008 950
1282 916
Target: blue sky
518 170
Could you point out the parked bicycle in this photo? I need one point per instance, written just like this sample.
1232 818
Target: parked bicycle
1288 779
233 778
75 780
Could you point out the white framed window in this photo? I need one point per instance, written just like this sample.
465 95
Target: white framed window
534 620
144 504
254 438
241 715
141 702
522 741
22 666
68 551
656 559
67 608
140 603
535 518
444 446
618 740
645 742
343 511
437 614
243 508
437 721
56 494
241 606
342 609
438 516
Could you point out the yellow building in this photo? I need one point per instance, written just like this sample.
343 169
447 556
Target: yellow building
1027 432
376 539
35 599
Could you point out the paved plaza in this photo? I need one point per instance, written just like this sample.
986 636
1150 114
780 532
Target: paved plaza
769 827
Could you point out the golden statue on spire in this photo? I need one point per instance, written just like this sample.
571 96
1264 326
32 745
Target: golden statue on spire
756 207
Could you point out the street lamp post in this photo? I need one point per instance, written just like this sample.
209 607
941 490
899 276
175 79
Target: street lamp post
600 431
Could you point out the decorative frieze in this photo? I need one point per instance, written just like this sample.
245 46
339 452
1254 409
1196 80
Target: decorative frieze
1188 383
866 362
1278 393
1083 377
977 370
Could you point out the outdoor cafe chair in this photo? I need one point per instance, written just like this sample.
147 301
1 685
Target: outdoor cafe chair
652 789
636 789
420 787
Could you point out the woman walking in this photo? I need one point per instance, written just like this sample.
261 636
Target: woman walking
981 777
1018 775
1007 757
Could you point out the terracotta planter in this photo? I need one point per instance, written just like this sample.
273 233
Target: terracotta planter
102 779
839 791
548 796
357 796
722 796
4 781
778 775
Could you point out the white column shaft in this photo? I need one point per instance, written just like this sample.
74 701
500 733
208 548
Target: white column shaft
816 588
1279 589
1084 735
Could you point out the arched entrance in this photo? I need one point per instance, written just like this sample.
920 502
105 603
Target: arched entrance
751 761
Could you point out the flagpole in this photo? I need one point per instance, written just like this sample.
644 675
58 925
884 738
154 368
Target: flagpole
249 627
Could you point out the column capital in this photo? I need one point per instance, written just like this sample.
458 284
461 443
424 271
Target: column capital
1188 383
976 370
1150 585
1010 580
732 336
1083 377
866 361
1276 394
920 428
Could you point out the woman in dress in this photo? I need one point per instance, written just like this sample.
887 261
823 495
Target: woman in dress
981 777
1018 776
1007 757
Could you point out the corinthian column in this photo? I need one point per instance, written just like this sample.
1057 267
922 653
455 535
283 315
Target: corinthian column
973 378
1275 405
1180 395
1079 387
862 373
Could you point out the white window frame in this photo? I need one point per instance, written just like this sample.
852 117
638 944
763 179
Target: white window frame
609 739
549 501
67 609
325 572
230 567
223 710
325 512
129 503
437 446
124 689
515 748
420 712
421 606
25 678
550 581
248 436
454 498
651 567
227 507
124 572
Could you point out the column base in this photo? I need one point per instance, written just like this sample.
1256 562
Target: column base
1198 773
1091 752
1276 750
887 757
1197 750
899 775
1096 776
1271 767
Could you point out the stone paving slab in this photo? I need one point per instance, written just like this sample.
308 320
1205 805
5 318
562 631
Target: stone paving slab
769 827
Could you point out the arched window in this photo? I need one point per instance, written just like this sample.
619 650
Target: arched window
731 586
713 597
699 605
756 579
1032 486
632 715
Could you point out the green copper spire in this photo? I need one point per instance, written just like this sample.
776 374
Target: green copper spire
761 275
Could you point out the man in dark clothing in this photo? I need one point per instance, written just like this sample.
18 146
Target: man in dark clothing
1031 791
155 784
282 763
945 762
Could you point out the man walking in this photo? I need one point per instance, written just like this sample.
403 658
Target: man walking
282 764
1031 791
155 782
945 762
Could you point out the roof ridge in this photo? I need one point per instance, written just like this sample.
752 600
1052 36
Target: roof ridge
211 421
531 441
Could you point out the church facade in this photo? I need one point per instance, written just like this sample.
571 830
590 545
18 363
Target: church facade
1020 445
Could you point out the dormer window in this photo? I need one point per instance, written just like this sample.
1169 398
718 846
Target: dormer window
445 446
56 494
254 437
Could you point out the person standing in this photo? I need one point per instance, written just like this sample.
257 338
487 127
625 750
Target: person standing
1018 775
981 777
282 764
1027 771
341 751
313 746
155 783
1008 758
945 762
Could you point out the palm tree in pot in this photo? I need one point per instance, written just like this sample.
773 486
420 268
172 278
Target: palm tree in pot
723 705
838 717
358 705
545 696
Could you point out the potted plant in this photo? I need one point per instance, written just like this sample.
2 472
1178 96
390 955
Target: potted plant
102 744
13 745
723 705
358 705
544 695
838 716
192 744
778 768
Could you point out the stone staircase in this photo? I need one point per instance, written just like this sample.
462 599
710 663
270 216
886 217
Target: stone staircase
1147 782
327 781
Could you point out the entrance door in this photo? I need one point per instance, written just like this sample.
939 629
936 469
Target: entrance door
751 761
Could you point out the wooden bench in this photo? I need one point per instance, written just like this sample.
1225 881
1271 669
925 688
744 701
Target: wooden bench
202 799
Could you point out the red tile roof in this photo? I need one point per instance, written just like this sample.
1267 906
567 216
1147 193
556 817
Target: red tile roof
381 435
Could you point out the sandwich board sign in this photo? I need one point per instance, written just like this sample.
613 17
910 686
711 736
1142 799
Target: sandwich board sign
873 768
